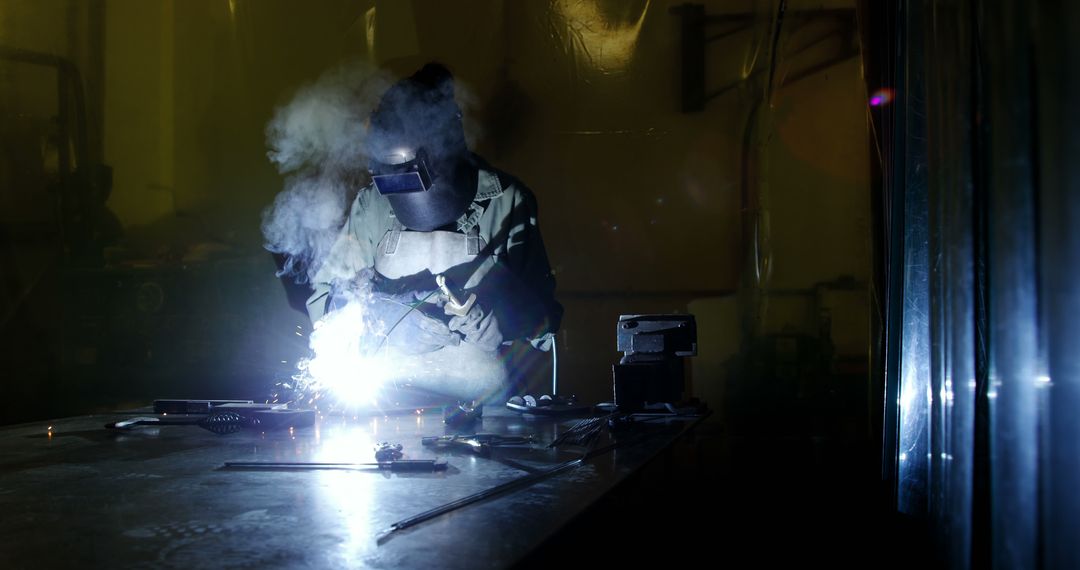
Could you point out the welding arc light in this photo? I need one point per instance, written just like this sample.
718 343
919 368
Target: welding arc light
341 366
401 171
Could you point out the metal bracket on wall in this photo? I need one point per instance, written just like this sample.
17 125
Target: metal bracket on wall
694 22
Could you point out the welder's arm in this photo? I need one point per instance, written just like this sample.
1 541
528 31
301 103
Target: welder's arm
525 304
316 303
352 252
515 300
478 327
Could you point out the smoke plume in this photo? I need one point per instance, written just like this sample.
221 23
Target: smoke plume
320 140
317 140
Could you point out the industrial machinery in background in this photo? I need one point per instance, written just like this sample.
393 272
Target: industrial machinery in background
53 218
652 369
88 320
57 192
806 369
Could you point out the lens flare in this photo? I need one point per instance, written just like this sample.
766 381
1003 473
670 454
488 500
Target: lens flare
881 97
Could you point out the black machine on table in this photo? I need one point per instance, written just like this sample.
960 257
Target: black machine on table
652 370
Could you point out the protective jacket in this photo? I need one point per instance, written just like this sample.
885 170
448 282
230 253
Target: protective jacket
495 251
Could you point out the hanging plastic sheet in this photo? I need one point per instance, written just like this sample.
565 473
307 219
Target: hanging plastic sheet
936 378
990 245
914 394
952 281
1058 84
1012 287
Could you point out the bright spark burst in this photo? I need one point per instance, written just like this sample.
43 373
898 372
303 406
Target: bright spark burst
345 371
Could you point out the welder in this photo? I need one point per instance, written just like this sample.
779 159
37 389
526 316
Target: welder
437 215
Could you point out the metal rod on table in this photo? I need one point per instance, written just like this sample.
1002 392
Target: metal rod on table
398 465
520 482
554 366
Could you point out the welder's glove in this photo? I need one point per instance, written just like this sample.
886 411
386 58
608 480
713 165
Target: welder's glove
479 327
407 326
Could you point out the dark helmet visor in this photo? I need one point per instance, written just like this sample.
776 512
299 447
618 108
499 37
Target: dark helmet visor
402 172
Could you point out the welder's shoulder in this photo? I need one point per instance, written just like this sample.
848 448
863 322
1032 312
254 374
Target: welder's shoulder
369 216
511 189
369 205
368 198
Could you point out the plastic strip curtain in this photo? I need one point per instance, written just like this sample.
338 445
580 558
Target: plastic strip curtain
914 395
937 359
952 283
1012 286
989 369
1058 127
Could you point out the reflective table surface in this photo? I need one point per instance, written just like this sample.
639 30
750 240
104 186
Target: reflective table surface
74 493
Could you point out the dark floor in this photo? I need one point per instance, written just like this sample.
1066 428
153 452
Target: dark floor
746 501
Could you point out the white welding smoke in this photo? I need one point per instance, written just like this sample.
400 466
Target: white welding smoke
317 141
324 122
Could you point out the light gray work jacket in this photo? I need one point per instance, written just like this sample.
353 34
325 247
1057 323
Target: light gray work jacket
512 278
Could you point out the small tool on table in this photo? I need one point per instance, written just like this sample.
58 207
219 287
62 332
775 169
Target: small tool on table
387 451
219 422
226 419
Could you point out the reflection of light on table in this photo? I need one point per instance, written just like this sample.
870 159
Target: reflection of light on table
345 497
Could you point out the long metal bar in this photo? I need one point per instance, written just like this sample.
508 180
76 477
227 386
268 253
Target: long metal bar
397 465
512 485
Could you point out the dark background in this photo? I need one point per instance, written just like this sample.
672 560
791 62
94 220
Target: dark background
750 180
752 212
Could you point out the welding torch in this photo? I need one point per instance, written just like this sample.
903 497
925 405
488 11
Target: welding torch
454 305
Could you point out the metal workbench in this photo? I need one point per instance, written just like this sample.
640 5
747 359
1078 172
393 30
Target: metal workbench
81 495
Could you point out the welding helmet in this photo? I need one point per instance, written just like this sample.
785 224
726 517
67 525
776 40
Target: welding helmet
416 149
